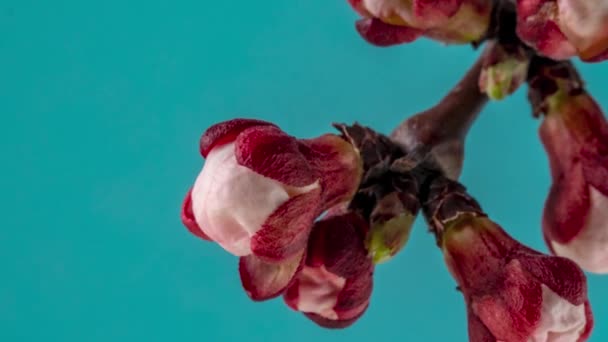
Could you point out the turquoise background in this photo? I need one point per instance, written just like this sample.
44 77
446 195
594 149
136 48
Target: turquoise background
103 104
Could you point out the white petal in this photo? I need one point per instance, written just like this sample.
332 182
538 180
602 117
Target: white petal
318 291
389 8
583 21
560 320
230 202
590 247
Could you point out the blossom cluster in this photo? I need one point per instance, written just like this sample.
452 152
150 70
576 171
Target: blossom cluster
310 219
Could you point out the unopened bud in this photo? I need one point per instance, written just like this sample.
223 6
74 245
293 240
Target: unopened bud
504 69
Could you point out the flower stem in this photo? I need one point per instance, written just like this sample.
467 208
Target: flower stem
451 118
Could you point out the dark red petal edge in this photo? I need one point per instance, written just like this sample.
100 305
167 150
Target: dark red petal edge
271 153
285 233
599 58
567 206
378 33
590 323
188 218
337 243
559 274
225 132
262 280
478 332
338 164
356 291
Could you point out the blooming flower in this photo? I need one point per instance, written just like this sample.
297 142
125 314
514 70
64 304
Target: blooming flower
334 286
575 135
259 193
389 22
561 29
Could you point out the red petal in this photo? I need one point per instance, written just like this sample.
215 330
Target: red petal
292 294
511 312
337 243
559 274
599 58
339 165
590 323
188 218
567 206
262 280
356 292
378 33
552 42
478 332
537 29
225 132
285 233
595 168
274 154
333 324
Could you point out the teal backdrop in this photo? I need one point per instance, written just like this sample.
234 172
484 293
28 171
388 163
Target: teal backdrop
103 103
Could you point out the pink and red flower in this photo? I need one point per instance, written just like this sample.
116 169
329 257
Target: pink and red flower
513 293
390 22
575 221
259 193
334 286
561 29
574 133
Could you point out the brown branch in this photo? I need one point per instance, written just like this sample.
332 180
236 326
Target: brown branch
450 119
441 130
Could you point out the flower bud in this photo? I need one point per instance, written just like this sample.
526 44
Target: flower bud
574 133
259 193
512 292
505 68
392 219
389 22
335 284
561 29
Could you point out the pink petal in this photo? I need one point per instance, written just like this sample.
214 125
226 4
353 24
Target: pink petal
285 233
560 320
188 218
270 152
225 132
537 28
436 11
378 33
315 290
262 280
